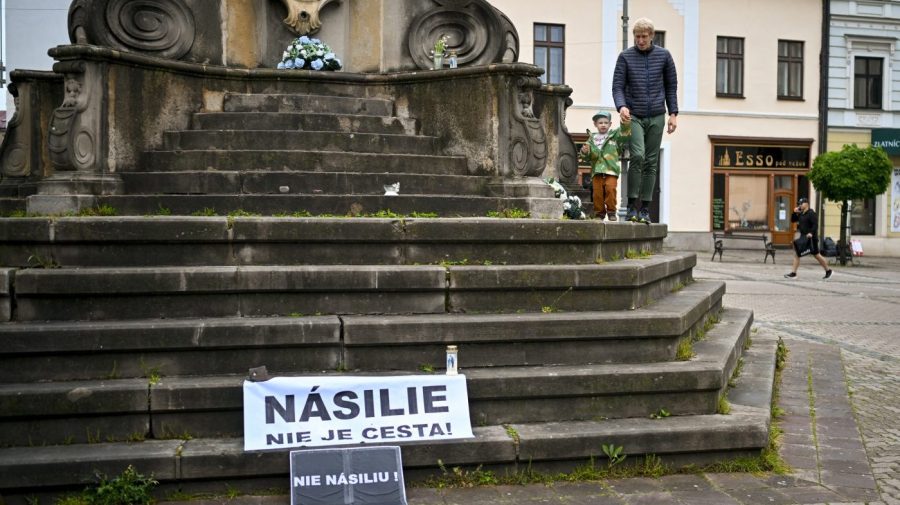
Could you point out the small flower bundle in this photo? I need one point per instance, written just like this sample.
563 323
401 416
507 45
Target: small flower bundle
571 203
440 45
309 54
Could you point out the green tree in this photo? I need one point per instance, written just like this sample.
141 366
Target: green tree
850 174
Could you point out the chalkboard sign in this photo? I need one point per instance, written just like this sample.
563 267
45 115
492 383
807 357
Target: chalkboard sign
718 202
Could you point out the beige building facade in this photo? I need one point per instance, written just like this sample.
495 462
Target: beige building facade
748 97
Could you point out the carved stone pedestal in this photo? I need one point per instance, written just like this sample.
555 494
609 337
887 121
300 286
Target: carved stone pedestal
64 193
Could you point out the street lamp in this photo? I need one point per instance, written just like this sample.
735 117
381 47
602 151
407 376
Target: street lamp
623 210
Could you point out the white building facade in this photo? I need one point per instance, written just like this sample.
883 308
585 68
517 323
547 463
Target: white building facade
864 105
748 98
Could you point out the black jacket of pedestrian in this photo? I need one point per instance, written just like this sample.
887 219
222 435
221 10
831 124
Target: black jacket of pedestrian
806 222
646 82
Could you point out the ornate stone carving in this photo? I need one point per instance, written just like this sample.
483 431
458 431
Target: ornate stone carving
74 127
14 151
303 15
567 159
476 31
528 141
163 28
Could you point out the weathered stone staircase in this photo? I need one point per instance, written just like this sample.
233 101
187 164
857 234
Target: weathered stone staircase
317 154
131 345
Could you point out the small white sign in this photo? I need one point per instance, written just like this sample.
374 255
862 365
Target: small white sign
289 412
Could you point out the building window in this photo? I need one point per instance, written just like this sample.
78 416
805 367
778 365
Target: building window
730 67
867 83
748 202
862 217
659 38
790 70
550 52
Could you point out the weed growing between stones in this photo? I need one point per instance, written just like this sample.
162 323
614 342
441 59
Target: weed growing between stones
724 408
510 214
205 212
129 488
512 433
426 367
633 254
102 210
685 349
660 414
38 261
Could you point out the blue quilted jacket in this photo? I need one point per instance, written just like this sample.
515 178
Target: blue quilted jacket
646 82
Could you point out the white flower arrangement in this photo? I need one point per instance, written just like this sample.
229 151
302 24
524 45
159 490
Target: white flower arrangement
571 203
309 54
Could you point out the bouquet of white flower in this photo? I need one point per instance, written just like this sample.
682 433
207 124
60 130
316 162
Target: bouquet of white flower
309 54
571 203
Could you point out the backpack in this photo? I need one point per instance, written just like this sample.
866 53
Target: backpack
829 248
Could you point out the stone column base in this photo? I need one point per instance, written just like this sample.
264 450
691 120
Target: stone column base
73 192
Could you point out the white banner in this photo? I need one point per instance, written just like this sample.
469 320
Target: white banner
290 412
895 201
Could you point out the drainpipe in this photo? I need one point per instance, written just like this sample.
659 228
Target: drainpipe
823 99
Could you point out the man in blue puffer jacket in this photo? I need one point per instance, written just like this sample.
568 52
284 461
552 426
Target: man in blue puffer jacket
644 86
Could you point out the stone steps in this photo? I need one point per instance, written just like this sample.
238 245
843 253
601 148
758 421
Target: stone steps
542 446
302 160
302 183
314 103
451 206
254 291
284 140
41 351
302 121
198 241
161 407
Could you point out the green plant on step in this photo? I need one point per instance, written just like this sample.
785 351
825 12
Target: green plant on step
685 349
205 212
724 408
426 367
129 488
38 261
512 433
424 215
510 214
242 213
614 455
660 414
163 211
102 210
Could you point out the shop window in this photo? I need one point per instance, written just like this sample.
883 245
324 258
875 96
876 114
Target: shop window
748 202
790 70
867 82
862 217
730 67
550 52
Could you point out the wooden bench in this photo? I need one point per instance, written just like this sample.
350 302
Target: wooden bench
719 245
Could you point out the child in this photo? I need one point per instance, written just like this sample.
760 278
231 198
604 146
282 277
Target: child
602 151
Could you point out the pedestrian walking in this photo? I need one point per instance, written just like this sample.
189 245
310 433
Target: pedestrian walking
645 84
808 240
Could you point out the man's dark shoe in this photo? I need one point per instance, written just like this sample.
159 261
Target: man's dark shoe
790 275
827 274
631 215
644 215
612 217
599 216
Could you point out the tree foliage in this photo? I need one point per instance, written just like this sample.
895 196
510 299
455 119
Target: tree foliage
852 173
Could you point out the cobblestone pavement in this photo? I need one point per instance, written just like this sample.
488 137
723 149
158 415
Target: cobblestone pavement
855 314
840 392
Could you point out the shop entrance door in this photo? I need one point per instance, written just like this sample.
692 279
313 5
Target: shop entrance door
782 232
